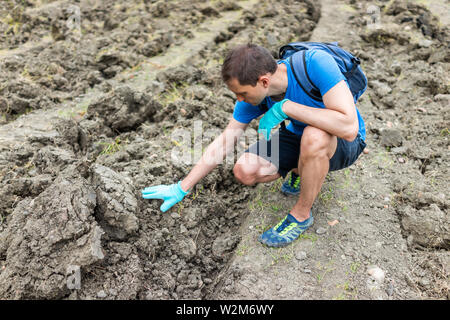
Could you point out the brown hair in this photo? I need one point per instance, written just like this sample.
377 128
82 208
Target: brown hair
247 63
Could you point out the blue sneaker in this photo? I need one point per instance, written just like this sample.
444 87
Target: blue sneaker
286 231
292 185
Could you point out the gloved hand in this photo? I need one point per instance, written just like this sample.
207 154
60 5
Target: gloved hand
171 194
273 117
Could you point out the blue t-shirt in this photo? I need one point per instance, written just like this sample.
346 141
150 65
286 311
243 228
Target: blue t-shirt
323 72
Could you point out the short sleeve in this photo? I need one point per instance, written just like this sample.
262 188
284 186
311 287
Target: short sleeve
245 112
323 71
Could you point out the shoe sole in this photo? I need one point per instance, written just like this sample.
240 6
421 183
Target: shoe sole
275 245
288 193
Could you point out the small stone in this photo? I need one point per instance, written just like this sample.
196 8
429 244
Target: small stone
376 274
399 150
321 230
423 110
391 138
300 255
113 292
333 223
175 215
401 160
390 289
442 97
424 282
381 88
101 294
306 271
425 43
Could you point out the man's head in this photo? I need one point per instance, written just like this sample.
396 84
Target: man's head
246 71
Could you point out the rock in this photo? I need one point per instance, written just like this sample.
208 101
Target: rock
425 43
399 150
321 230
124 108
385 36
391 138
101 294
381 88
390 289
117 204
300 255
375 283
224 244
61 236
427 227
187 248
197 92
442 98
180 75
376 274
424 282
441 55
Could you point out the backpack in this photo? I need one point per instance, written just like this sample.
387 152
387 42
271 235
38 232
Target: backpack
347 62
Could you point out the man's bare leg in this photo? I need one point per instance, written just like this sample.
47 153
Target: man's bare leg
316 150
251 168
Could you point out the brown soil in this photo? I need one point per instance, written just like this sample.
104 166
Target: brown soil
86 121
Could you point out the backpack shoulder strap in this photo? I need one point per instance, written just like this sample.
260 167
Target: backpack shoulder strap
298 65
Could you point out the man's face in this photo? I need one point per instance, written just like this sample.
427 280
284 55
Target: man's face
247 93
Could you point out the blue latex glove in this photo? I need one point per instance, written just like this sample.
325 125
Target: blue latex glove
273 117
171 194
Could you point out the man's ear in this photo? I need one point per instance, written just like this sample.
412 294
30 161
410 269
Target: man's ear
265 80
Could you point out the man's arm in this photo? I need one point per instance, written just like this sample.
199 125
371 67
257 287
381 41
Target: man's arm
339 118
215 153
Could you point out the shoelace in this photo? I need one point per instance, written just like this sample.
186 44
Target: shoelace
296 182
288 228
283 224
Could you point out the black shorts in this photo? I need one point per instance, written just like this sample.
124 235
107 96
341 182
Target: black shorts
288 153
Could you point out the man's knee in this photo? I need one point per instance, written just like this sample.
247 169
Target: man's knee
245 174
317 143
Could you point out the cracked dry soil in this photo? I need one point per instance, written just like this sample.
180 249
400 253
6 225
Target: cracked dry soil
74 225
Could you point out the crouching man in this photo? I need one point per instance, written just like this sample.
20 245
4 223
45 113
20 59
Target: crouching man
322 136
